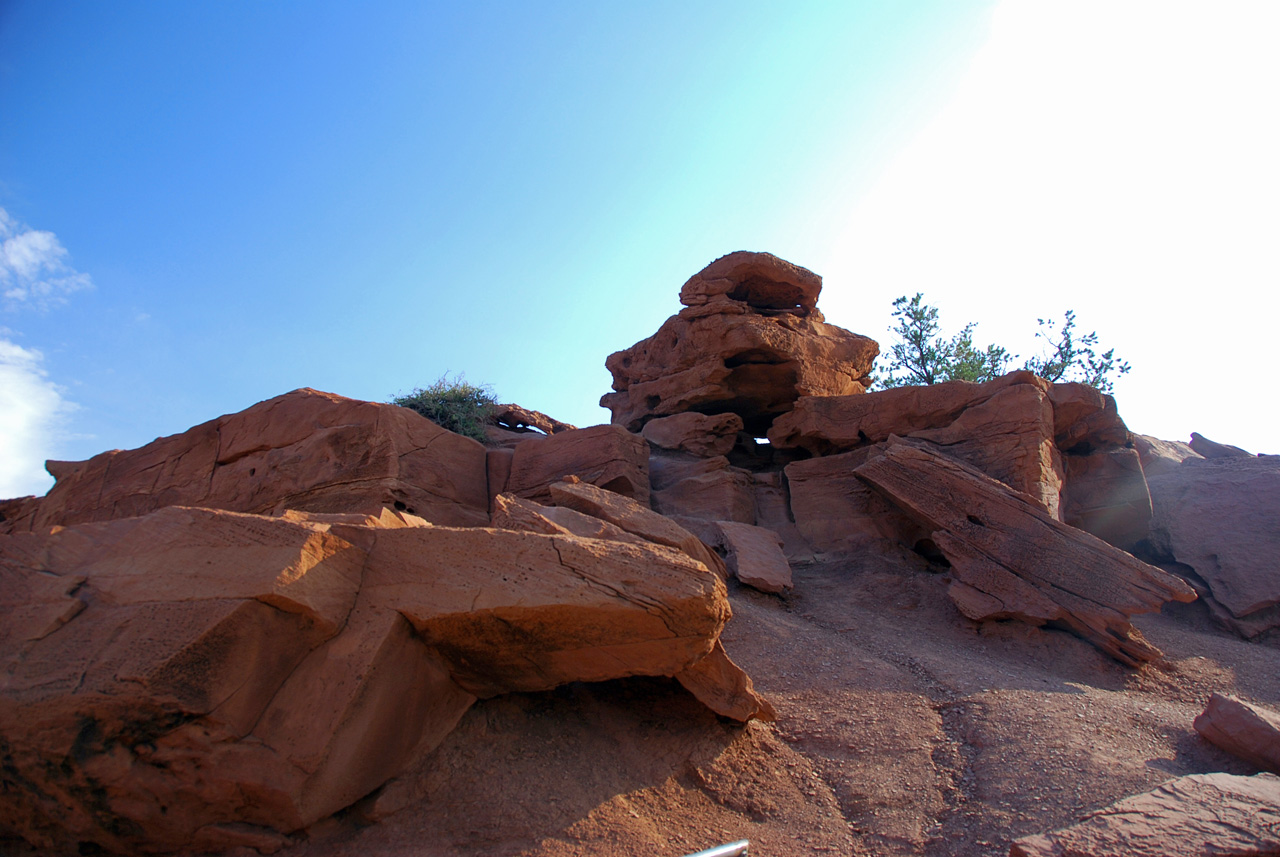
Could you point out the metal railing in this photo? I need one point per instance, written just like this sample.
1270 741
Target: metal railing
733 849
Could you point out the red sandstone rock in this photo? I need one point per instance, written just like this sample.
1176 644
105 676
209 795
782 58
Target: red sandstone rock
1212 449
1004 427
1011 560
512 513
606 455
760 280
773 512
303 450
1248 731
1194 816
708 488
514 418
1085 419
1218 516
1161 456
727 355
695 433
199 679
839 513
1105 493
755 557
636 519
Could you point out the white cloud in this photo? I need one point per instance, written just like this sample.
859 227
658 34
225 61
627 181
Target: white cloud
32 412
33 267
1116 157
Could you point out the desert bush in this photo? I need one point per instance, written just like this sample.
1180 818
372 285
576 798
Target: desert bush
922 355
453 404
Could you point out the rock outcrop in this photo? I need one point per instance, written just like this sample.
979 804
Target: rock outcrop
204 679
304 450
1217 518
1191 816
1248 731
1010 559
749 342
607 455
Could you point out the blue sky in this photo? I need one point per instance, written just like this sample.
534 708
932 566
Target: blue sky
210 204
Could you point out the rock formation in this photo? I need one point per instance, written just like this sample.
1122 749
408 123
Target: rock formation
749 342
1248 731
1187 817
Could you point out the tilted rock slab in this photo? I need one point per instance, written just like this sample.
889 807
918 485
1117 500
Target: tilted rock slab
748 343
200 680
1010 559
1221 517
605 455
1195 816
1004 427
1248 731
755 556
302 450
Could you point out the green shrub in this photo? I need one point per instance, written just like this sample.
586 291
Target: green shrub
453 404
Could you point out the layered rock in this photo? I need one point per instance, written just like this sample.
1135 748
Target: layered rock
1217 517
1010 559
200 679
749 342
694 433
1105 493
706 488
607 456
1004 427
1191 816
304 450
1248 731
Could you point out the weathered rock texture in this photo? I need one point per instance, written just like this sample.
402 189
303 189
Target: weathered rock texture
1004 427
607 455
202 679
1248 731
1218 517
706 488
695 433
754 556
749 342
1194 816
303 450
1161 456
1012 560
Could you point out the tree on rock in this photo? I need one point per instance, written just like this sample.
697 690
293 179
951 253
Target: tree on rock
922 356
453 404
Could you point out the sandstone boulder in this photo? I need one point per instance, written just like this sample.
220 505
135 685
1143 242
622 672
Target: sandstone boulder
1105 493
1161 456
837 512
1218 517
760 280
1213 449
1085 419
514 418
1248 731
726 354
1004 427
706 488
303 450
1191 816
201 680
755 557
695 433
638 520
1012 560
606 455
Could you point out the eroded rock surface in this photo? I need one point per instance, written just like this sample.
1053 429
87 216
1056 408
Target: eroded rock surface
1012 560
606 455
1219 517
1248 731
201 679
749 343
1191 816
304 450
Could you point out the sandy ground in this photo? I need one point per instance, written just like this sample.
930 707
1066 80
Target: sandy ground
903 729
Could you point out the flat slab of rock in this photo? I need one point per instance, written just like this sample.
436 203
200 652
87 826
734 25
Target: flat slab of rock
1010 559
1248 731
1221 517
1195 816
755 556
201 680
303 450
